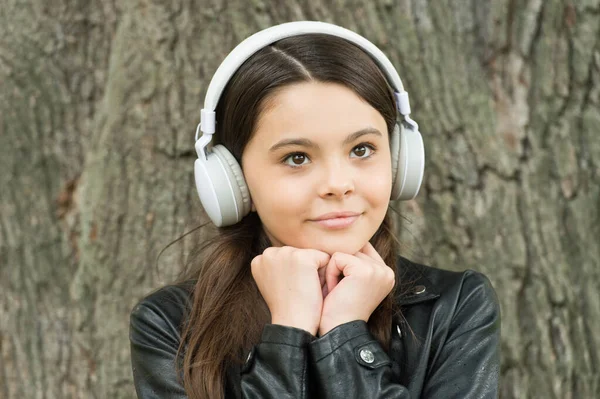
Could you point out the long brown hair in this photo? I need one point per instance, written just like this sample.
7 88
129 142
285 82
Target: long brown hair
227 312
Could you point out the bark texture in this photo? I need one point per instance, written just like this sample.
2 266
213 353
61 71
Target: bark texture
99 103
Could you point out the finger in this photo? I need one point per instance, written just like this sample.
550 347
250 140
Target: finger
324 290
376 265
332 275
365 257
370 251
270 251
320 258
340 265
321 272
370 260
254 264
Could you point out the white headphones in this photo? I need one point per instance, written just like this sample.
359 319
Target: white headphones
219 178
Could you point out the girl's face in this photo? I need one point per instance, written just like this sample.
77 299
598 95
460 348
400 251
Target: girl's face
319 152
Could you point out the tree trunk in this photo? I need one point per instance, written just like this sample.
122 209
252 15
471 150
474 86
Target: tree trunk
99 103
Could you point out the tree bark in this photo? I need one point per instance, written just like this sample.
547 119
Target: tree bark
99 103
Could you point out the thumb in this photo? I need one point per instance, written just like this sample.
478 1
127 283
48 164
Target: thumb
320 258
333 274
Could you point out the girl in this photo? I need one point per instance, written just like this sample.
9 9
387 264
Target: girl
301 293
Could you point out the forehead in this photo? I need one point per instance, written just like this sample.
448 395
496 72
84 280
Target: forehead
319 111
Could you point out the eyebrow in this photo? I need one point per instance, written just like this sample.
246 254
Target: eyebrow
307 143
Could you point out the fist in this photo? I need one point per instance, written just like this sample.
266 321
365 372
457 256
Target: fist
291 281
356 285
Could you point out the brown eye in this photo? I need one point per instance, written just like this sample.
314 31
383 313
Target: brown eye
296 160
363 151
360 151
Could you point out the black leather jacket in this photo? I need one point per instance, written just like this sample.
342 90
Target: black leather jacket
451 352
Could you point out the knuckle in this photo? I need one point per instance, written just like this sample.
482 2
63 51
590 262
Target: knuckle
390 274
286 251
297 256
254 264
272 253
390 277
368 272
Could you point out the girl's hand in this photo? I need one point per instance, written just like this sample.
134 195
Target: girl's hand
366 281
291 281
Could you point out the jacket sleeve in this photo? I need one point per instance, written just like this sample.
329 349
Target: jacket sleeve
276 367
465 367
153 342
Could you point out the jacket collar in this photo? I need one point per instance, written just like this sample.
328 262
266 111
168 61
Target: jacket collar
416 295
418 289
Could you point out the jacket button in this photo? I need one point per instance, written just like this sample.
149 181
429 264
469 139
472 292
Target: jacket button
367 356
418 290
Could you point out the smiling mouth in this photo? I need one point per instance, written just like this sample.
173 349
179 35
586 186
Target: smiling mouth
337 222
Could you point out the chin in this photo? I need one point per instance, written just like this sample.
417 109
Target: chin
331 245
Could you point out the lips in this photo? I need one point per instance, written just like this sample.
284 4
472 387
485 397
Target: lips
337 215
337 220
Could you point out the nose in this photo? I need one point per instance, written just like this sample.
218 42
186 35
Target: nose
338 180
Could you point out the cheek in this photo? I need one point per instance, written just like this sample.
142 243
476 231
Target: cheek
280 201
283 217
377 186
283 206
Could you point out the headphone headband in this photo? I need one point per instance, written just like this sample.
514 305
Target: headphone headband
265 37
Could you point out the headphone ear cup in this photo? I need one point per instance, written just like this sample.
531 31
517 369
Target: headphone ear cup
395 152
408 161
222 188
234 171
